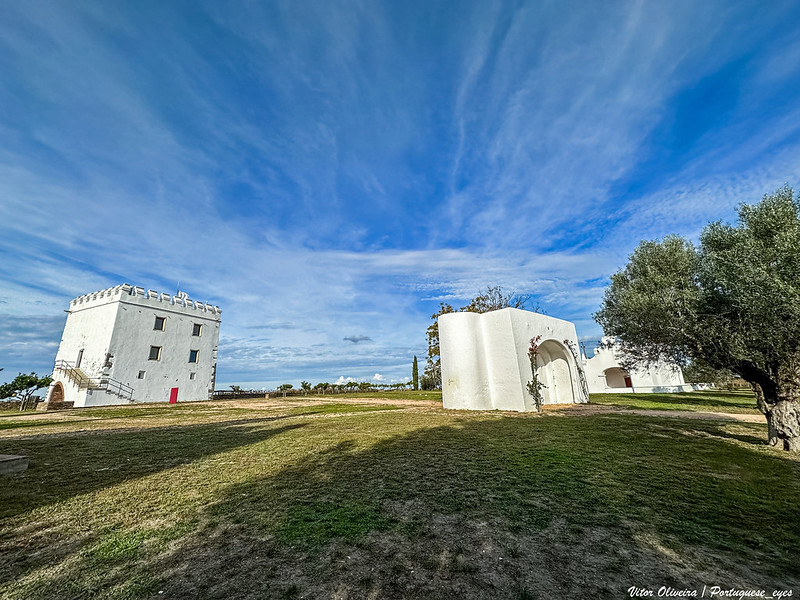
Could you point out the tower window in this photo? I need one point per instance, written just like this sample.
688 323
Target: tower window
161 323
140 375
193 355
192 375
155 353
197 329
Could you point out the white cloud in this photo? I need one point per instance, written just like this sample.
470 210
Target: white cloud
247 203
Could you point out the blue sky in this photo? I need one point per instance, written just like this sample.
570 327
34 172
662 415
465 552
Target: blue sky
328 172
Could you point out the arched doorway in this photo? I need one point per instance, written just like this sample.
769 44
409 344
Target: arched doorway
57 393
617 378
553 362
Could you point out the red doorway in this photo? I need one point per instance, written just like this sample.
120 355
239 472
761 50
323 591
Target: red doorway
173 396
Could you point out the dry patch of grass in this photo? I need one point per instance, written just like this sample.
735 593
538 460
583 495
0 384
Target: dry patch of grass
359 499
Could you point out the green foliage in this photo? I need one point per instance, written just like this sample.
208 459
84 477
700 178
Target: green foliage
698 371
24 386
415 374
731 303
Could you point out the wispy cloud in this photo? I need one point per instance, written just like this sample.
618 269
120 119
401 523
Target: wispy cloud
319 169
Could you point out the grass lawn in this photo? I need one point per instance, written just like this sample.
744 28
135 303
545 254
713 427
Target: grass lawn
391 498
739 401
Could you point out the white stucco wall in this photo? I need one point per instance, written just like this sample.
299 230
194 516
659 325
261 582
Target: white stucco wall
603 374
485 362
120 321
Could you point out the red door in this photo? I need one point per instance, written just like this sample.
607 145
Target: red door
173 396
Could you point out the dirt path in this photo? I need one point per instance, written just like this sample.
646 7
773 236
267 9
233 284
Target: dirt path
593 409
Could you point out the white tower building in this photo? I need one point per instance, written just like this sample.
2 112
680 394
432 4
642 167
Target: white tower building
125 344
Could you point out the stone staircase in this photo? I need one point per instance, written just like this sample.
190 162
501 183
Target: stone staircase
83 381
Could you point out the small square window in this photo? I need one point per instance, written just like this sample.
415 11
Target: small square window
193 355
140 375
161 322
197 329
155 353
192 375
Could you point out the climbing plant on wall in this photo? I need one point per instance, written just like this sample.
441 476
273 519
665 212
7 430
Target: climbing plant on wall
535 385
581 374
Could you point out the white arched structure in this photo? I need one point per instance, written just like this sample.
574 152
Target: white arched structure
557 372
604 373
485 363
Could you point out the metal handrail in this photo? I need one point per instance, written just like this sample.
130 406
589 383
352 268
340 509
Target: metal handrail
108 384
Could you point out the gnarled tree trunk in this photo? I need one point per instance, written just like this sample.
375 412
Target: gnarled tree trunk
766 410
784 420
780 406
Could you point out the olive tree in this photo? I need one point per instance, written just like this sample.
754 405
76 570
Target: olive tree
732 302
24 386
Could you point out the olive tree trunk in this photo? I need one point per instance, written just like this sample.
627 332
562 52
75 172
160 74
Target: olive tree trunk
781 408
783 421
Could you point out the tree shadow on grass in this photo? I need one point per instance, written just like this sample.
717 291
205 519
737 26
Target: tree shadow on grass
67 464
516 508
488 508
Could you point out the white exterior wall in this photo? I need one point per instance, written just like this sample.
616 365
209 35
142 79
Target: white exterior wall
120 321
485 362
90 331
660 378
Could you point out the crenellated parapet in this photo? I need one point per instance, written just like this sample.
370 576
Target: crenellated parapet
138 295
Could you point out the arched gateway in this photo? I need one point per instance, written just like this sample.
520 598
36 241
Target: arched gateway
57 393
617 377
553 364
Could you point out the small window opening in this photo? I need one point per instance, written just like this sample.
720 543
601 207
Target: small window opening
192 375
193 355
197 329
140 375
161 323
155 353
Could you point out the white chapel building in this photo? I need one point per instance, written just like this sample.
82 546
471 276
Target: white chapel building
125 344
605 374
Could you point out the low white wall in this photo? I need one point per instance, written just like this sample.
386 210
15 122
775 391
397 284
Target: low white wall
657 389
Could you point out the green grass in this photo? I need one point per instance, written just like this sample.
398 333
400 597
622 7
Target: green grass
742 402
362 499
